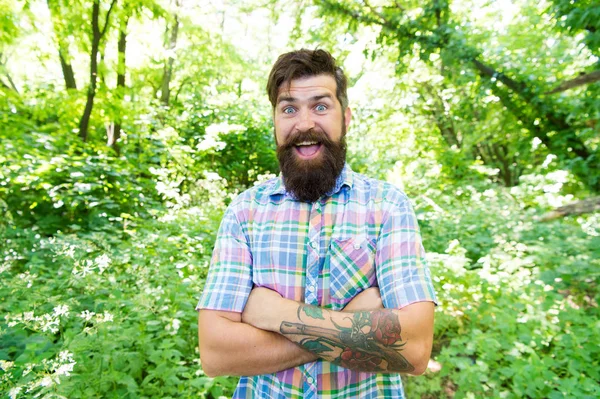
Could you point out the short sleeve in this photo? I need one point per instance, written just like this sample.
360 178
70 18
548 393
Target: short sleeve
402 272
229 279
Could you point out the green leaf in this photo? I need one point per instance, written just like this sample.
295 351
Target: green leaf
313 312
316 346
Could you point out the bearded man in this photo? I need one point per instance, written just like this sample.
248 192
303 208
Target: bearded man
318 285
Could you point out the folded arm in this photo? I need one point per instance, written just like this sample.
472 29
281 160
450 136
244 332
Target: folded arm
230 347
382 340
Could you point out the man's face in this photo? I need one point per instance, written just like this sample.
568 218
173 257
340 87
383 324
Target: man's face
310 128
310 103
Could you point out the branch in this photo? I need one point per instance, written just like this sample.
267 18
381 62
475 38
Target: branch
381 17
112 4
399 6
588 205
492 73
183 82
555 118
7 75
580 80
366 18
444 122
5 85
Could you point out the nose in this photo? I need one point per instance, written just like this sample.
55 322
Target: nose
305 121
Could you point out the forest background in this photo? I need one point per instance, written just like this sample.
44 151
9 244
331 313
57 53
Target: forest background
127 126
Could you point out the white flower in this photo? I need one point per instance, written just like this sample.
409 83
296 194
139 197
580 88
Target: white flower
70 251
88 268
82 187
224 128
65 369
87 315
4 266
4 365
65 356
176 324
212 176
28 369
48 323
168 189
102 261
61 310
14 392
104 317
46 381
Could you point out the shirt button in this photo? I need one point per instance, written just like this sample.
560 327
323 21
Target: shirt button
310 380
312 244
356 245
311 288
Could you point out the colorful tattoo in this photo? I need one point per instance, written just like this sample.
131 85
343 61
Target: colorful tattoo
372 342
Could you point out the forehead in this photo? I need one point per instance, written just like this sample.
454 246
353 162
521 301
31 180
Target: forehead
308 87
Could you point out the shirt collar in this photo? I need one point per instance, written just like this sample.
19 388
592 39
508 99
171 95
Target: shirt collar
346 178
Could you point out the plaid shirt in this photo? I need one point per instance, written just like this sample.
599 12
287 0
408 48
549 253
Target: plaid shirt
363 234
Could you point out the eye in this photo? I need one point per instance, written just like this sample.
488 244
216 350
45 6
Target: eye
289 110
321 108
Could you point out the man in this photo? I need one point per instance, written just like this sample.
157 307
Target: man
318 285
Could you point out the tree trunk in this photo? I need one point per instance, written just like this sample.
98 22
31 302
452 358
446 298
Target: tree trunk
576 208
63 54
67 70
115 132
91 93
168 69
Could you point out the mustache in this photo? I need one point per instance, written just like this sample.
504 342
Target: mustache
306 135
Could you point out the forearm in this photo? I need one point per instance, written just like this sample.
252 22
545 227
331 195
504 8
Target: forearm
230 347
383 340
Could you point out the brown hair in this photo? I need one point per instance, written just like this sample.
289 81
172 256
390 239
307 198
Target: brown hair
305 63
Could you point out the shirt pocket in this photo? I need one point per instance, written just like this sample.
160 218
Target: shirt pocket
351 268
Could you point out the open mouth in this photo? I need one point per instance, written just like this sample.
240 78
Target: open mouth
308 149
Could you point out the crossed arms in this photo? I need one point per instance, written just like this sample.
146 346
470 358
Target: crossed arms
274 334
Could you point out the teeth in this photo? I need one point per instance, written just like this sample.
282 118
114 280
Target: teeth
306 143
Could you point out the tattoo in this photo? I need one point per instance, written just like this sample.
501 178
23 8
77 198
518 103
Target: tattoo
371 343
311 311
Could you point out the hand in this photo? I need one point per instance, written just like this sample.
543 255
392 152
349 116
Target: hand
369 299
262 309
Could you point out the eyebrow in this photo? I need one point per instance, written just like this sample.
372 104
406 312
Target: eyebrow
289 99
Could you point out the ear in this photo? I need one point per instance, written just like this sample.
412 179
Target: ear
347 117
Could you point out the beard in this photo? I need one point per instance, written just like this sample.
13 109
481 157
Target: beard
308 180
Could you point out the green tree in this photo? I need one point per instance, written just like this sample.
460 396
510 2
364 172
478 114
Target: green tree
442 40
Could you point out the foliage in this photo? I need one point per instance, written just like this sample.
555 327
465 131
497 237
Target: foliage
117 306
486 92
580 16
105 248
530 291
